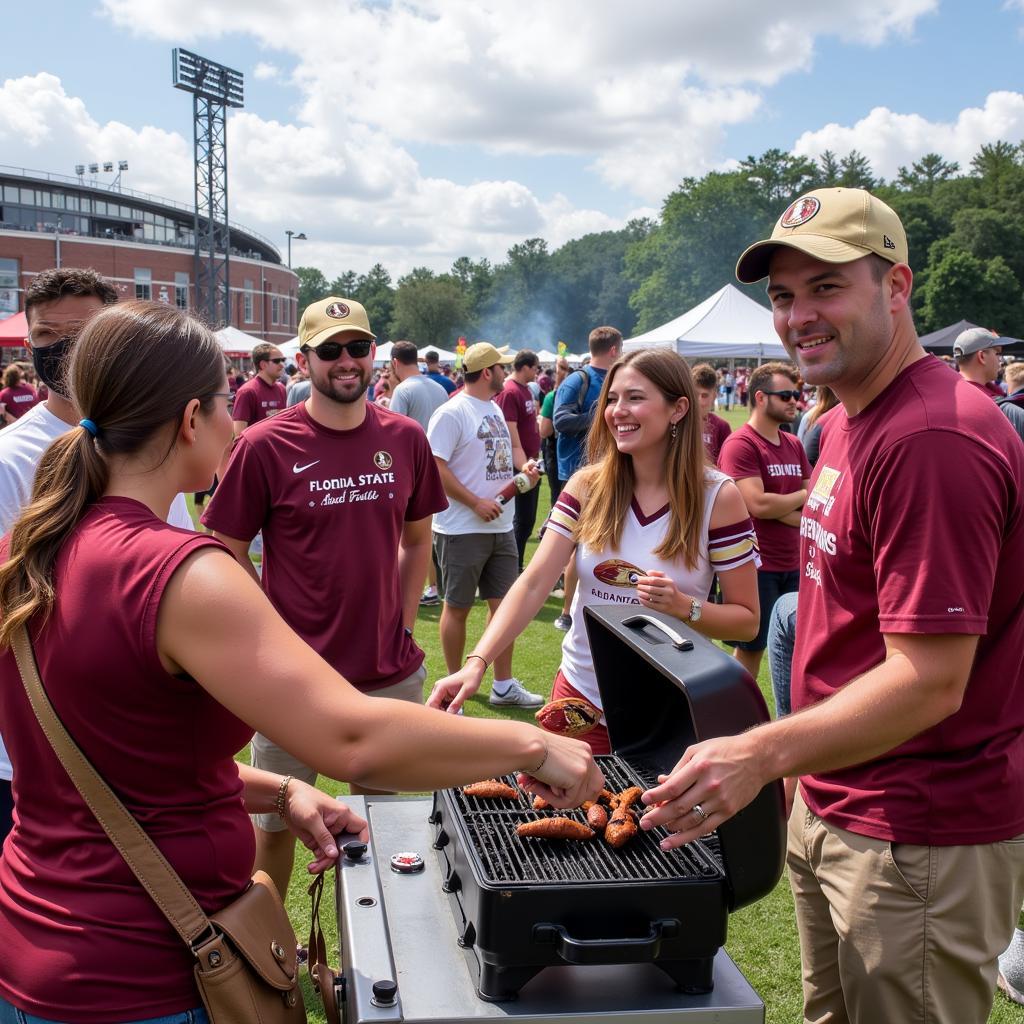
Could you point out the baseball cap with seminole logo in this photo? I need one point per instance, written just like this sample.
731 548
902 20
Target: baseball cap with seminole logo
836 225
328 317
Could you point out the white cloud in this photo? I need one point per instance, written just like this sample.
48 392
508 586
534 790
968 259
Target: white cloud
890 139
265 71
645 95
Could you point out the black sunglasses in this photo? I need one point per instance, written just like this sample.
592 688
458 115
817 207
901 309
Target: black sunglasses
328 351
786 396
281 360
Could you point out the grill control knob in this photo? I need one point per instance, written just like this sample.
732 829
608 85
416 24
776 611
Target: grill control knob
385 993
354 850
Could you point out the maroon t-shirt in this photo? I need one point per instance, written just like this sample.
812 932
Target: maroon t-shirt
782 468
332 505
915 524
18 400
81 938
256 400
714 431
518 406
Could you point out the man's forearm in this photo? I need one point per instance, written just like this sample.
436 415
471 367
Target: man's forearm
453 488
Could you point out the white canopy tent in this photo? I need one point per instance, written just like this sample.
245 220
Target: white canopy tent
236 342
546 356
289 348
442 353
726 325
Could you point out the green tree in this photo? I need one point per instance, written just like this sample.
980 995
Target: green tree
855 171
705 225
777 175
960 286
429 309
475 277
925 173
345 285
374 291
829 170
313 286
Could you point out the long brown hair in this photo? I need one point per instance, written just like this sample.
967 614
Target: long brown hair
609 479
826 399
119 382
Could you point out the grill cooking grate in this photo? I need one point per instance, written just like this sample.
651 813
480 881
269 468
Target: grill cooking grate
507 859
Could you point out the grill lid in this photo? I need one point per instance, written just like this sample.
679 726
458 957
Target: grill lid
658 699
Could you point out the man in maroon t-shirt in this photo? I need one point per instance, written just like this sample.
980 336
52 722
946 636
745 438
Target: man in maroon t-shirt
520 409
264 395
906 841
714 430
17 396
771 470
343 491
977 354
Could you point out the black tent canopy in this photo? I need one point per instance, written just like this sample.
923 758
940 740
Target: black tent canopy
941 341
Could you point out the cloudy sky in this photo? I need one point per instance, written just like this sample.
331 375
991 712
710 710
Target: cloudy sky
412 133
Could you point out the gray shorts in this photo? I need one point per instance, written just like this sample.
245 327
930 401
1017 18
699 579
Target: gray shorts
488 562
270 757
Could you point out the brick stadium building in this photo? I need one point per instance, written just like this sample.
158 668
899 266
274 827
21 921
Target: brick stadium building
141 243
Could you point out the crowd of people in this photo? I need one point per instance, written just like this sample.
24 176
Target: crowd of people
865 526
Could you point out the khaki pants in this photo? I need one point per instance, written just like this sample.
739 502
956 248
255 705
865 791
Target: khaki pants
271 758
897 934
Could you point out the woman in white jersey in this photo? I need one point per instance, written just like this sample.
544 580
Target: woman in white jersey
651 524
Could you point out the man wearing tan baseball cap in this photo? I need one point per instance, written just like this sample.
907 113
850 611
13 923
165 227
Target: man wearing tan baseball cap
906 839
343 491
474 544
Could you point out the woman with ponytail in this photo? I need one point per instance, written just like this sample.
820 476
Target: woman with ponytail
161 656
650 523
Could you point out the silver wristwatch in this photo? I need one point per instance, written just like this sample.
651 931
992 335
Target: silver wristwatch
696 607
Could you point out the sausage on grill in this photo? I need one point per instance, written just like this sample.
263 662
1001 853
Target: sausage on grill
597 817
621 827
554 828
492 789
540 804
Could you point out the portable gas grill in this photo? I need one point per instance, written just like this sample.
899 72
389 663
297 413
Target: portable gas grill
525 904
636 930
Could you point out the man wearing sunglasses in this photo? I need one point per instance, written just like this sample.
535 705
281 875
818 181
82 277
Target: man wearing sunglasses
771 470
343 491
264 395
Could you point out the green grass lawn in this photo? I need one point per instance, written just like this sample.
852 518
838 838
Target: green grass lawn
762 938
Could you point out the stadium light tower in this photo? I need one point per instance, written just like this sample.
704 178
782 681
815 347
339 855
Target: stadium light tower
214 88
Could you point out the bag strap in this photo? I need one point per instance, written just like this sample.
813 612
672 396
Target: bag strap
320 973
581 398
147 863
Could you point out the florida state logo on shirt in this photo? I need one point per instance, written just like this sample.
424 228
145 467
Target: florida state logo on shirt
382 460
800 212
616 572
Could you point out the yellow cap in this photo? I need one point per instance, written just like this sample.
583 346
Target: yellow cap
483 354
836 225
330 316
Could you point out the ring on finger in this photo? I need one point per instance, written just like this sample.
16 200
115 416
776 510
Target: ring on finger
701 813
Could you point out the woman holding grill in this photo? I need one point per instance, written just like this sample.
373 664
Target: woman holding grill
650 522
161 656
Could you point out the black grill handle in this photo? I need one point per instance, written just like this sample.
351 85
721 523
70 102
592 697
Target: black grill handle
649 620
607 951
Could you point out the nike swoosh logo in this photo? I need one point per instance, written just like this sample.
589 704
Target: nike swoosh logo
298 469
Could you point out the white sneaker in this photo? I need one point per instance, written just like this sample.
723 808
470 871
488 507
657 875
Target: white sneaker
516 696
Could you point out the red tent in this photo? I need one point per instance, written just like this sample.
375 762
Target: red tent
14 330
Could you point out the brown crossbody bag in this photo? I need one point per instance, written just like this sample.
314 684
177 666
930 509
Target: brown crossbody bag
245 968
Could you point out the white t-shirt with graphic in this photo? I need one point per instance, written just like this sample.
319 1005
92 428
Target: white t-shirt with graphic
472 437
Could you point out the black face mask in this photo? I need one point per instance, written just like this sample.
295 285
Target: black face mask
50 364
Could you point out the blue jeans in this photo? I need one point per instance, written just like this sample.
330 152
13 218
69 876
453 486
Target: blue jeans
781 638
12 1015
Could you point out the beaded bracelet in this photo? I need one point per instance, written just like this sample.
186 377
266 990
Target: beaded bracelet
282 798
479 657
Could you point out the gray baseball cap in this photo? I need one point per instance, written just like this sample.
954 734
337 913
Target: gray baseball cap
974 339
